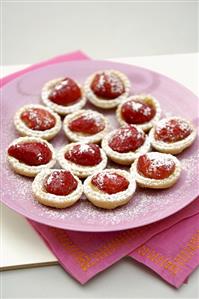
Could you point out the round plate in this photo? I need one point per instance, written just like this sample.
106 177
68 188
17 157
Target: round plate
146 206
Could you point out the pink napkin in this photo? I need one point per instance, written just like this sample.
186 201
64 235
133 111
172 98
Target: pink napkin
174 253
169 247
78 55
84 255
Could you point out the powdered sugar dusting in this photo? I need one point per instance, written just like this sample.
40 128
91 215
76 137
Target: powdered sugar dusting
139 107
101 81
61 84
189 165
85 148
159 160
39 122
105 174
125 133
147 111
114 81
136 106
116 84
169 125
93 116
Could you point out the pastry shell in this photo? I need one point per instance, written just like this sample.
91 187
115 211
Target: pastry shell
109 201
52 200
27 170
80 137
106 103
175 147
79 170
124 158
145 182
25 131
60 109
145 99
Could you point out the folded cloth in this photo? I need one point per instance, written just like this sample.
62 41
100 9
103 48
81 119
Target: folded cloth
84 255
77 55
173 253
169 247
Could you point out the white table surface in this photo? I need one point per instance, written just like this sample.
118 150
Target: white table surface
21 245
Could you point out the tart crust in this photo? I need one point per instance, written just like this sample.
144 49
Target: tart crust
52 200
60 109
145 99
25 131
27 170
79 170
104 103
175 147
153 183
81 137
109 201
124 158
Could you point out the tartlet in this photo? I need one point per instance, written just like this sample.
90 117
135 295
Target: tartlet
172 135
156 170
63 95
30 155
82 159
86 126
109 188
140 110
37 121
125 144
106 89
57 188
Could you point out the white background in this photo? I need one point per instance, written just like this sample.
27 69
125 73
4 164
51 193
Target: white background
36 30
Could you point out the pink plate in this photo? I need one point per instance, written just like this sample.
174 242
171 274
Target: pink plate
146 206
